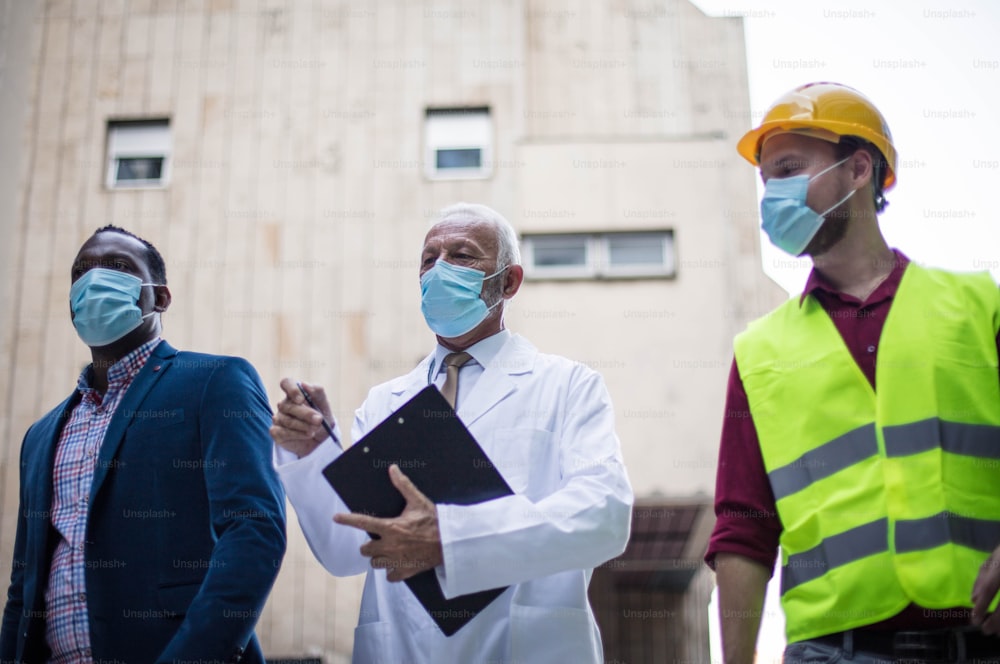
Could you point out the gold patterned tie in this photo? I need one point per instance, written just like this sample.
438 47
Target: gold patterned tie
453 362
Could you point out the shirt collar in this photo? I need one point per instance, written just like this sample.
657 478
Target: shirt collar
124 370
482 351
883 291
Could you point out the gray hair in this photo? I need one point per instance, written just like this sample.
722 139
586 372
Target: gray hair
508 247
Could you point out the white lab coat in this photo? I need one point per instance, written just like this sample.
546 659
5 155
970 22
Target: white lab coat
547 424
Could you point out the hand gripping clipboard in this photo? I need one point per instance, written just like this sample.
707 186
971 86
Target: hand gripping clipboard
433 448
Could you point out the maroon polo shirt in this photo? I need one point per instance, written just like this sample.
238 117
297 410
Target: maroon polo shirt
747 522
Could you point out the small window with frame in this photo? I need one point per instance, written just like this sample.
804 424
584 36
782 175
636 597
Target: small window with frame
458 143
138 154
615 255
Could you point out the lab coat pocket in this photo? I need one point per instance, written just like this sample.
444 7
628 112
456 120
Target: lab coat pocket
374 644
553 634
528 459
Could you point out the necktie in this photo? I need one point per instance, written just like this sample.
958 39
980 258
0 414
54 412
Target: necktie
453 362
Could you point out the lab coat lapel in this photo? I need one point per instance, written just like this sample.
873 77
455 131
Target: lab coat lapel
498 381
157 365
405 387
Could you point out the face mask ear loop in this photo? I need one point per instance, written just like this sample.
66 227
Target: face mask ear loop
500 301
496 273
155 310
827 170
838 203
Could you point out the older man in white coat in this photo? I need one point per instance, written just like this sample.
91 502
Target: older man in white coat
547 425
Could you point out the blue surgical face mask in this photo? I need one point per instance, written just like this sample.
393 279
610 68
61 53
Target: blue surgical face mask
787 220
104 304
450 298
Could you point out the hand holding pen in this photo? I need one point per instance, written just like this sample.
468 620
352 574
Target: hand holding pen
303 418
326 425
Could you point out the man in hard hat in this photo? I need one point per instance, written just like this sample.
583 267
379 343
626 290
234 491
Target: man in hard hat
862 428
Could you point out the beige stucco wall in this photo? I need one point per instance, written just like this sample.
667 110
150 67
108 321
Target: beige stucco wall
18 52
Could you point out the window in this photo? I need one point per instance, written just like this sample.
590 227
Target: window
138 153
600 255
558 255
459 143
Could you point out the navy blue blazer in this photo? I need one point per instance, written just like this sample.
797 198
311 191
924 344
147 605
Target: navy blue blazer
186 528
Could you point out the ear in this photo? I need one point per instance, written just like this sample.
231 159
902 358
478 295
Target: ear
512 281
162 299
862 167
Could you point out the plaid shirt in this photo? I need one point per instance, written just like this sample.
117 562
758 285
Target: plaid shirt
67 627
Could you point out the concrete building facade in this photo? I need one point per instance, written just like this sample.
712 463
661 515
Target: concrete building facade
299 151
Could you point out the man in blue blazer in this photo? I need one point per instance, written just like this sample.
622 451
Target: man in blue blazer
151 523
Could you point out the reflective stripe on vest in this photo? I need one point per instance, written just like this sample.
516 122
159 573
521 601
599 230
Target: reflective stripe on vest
838 454
974 440
872 538
978 440
940 529
835 551
885 499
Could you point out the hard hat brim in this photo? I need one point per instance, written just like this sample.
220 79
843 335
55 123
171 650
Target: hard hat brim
749 146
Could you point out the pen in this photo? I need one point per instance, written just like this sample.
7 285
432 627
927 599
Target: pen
326 425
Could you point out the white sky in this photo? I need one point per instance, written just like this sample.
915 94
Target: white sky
933 69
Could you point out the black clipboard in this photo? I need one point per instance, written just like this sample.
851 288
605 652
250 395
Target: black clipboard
432 447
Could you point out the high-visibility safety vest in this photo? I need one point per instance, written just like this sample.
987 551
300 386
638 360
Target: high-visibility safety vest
885 498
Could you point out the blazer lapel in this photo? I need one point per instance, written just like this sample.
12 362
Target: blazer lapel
43 458
497 382
158 364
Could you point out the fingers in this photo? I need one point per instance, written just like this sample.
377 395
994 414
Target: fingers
402 572
297 417
364 522
396 570
992 624
406 486
318 395
293 412
984 590
297 425
291 389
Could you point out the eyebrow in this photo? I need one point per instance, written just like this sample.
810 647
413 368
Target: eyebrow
104 259
786 161
452 245
789 156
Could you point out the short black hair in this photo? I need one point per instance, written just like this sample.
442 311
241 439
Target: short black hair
157 268
848 145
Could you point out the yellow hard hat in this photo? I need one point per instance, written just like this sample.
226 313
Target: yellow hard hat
831 108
